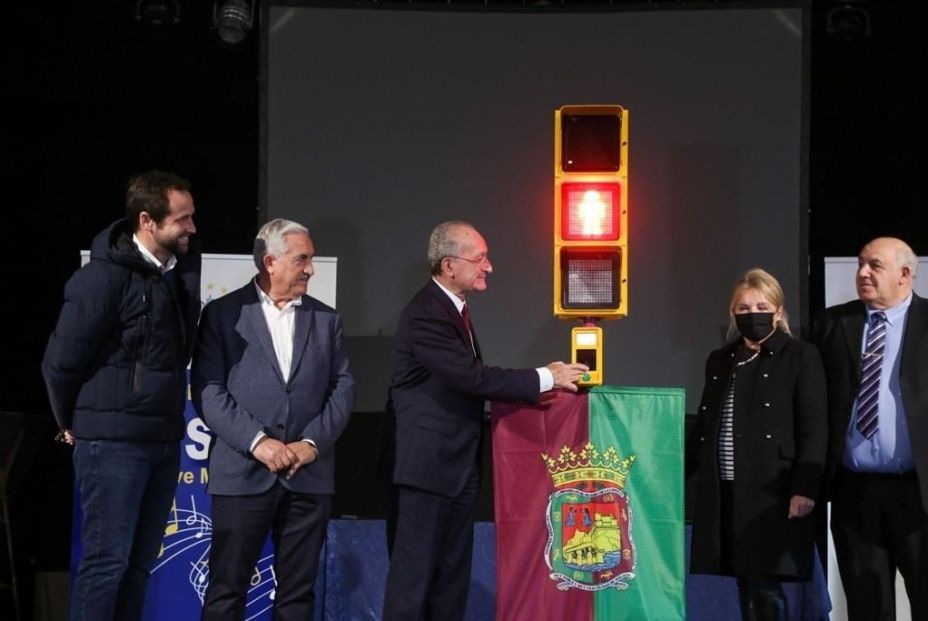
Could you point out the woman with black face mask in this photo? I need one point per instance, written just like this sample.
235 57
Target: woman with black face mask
759 447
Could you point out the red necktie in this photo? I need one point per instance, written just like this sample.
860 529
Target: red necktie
465 315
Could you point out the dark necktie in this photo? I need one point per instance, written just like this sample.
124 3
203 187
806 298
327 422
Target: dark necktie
871 366
465 315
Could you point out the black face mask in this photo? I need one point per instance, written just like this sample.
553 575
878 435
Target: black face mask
754 326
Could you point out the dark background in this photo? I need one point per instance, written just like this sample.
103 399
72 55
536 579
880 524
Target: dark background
372 151
93 96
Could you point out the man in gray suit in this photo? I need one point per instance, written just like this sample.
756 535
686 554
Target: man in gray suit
270 377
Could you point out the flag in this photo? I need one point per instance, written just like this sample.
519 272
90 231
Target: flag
588 491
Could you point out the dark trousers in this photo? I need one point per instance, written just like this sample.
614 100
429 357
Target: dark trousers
761 598
879 525
126 493
297 524
430 563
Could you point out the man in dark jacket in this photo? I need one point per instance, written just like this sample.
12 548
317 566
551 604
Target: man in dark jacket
115 369
875 351
440 385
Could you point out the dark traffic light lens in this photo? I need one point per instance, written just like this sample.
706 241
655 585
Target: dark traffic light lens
591 142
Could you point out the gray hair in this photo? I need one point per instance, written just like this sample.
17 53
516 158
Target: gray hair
444 243
905 257
270 239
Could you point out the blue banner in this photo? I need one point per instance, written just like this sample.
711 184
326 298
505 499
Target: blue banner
181 573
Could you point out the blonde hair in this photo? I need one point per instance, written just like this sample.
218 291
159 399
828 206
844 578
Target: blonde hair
769 288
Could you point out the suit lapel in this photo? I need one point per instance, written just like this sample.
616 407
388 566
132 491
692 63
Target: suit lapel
916 326
255 317
302 326
853 326
473 334
453 313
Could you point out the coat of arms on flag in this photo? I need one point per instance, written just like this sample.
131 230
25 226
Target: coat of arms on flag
589 519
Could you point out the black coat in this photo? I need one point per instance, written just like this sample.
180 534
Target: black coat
115 366
780 435
840 334
439 390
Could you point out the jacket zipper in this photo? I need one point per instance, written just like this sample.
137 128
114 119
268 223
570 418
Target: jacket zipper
143 346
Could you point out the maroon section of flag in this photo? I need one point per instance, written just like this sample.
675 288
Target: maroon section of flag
522 485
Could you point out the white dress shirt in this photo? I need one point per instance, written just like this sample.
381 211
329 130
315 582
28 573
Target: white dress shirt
164 267
890 448
281 324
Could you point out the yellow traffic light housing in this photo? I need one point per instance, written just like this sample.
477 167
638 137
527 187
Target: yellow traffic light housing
590 225
590 212
586 346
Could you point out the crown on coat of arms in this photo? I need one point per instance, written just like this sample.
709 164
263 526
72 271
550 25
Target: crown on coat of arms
590 464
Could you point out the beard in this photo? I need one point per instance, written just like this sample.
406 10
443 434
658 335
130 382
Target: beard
175 245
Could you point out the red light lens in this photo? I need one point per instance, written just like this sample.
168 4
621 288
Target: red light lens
590 211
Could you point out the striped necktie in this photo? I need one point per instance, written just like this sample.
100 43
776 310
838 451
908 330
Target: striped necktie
871 366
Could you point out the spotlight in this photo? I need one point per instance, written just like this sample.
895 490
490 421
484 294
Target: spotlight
848 22
156 13
233 20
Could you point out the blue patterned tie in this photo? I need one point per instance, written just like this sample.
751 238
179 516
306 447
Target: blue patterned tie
868 399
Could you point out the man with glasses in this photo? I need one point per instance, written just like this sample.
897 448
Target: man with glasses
439 388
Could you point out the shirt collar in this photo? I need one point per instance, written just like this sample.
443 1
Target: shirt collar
266 299
893 313
458 302
162 267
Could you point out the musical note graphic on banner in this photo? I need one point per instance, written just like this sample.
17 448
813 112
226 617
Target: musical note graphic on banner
172 526
199 575
187 529
187 539
263 589
194 520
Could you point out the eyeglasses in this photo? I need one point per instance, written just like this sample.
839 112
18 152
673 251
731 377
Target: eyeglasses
476 260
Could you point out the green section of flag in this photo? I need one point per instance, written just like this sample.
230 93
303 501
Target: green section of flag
646 422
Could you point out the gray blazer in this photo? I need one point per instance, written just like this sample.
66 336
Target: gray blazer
238 390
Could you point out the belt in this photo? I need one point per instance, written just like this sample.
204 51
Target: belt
909 475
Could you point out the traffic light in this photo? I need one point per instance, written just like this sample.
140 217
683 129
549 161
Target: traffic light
590 212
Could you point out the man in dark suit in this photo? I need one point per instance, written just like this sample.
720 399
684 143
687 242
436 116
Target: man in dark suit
270 377
439 388
875 351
